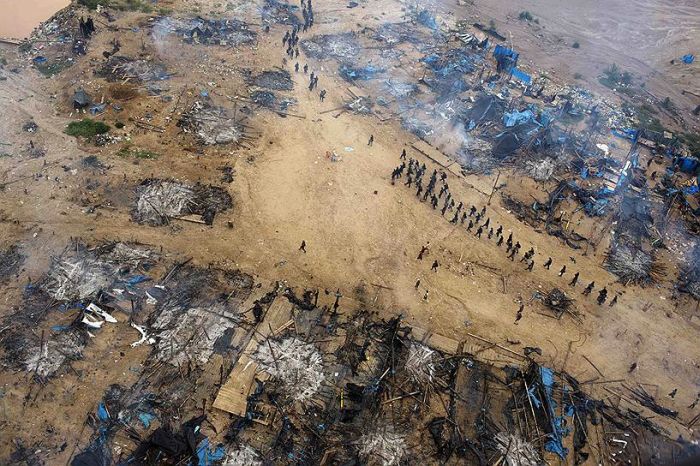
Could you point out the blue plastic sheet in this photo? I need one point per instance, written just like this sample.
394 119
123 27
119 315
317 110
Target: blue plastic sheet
426 19
206 456
451 61
507 58
136 279
515 117
554 443
628 133
521 76
688 59
146 419
350 73
102 413
99 108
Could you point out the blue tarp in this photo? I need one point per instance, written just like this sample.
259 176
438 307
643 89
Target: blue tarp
688 164
453 60
521 76
688 59
350 73
206 456
554 443
626 133
136 279
516 117
146 419
99 108
426 19
102 413
507 58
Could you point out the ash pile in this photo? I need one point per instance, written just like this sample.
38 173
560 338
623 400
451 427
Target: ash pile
343 46
212 125
632 255
159 201
120 68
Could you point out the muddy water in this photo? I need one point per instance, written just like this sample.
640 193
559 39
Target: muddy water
19 17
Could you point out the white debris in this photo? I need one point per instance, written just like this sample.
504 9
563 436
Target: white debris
80 278
243 456
420 363
99 312
144 336
161 199
298 365
383 446
194 329
540 170
517 452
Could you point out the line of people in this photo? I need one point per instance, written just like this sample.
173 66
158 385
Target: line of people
416 174
291 40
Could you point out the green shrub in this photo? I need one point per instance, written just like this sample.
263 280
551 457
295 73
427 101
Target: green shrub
525 16
576 45
86 128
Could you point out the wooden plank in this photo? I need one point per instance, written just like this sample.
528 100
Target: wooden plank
357 92
233 395
435 341
432 153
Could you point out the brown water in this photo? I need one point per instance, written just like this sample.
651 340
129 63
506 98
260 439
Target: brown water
19 17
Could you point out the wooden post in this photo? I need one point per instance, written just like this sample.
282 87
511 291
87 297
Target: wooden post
493 190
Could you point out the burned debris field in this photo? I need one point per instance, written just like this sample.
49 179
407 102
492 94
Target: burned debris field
362 233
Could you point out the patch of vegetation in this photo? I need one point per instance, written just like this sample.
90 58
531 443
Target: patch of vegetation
645 114
578 76
137 153
52 69
692 142
525 16
614 77
123 5
86 128
668 104
3 60
119 124
576 45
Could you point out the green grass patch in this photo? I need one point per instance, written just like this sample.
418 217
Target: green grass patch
52 69
692 142
143 154
86 128
525 16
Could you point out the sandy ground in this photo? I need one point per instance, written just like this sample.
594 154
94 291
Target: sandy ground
360 230
18 20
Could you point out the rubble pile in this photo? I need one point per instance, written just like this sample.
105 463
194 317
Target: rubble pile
343 46
158 201
297 365
212 125
632 265
120 68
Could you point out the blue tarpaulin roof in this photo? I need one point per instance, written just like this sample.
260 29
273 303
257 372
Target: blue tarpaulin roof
521 76
688 59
